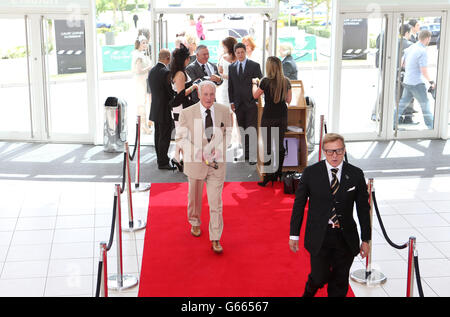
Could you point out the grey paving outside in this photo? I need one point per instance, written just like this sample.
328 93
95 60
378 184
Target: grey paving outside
76 162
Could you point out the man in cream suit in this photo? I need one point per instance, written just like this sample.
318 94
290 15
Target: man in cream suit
205 130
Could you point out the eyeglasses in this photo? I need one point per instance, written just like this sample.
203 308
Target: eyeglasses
337 151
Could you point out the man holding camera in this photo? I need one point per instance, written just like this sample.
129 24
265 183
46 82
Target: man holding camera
201 69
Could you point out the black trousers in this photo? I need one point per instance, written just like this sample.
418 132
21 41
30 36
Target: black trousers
247 116
163 132
331 265
270 139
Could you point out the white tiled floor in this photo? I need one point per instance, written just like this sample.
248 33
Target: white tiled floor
50 234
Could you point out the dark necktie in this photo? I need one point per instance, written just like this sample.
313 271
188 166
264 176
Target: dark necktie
334 189
204 70
208 125
241 70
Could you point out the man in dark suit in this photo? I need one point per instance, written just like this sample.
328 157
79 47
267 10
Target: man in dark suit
160 112
333 187
240 75
202 69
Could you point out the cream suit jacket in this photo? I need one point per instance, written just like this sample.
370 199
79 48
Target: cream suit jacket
191 138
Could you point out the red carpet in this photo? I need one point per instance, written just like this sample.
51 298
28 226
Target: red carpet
256 261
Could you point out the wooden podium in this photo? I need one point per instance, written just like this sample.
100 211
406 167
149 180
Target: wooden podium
296 120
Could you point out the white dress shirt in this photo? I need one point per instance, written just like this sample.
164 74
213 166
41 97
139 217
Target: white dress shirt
330 178
203 112
208 69
338 174
244 62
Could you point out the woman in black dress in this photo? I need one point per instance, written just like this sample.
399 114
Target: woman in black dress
184 87
277 95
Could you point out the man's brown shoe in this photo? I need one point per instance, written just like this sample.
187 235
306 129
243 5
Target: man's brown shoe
217 248
195 231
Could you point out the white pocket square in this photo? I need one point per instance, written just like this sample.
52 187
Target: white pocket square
350 189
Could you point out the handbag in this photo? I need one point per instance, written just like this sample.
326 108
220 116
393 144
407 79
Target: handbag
296 179
288 183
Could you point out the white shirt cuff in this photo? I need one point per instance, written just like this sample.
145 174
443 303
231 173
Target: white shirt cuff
296 238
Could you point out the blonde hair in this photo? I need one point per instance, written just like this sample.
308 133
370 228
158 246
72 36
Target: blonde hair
190 38
250 42
332 137
286 47
278 84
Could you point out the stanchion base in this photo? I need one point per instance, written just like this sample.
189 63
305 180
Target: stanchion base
137 225
374 279
128 281
143 187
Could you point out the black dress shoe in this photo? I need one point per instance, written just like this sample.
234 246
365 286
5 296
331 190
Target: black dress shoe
167 167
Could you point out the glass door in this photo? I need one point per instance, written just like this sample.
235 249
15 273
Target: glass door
15 81
415 108
64 78
43 79
362 75
388 77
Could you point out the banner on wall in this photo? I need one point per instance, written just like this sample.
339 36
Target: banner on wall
70 47
304 50
354 45
116 58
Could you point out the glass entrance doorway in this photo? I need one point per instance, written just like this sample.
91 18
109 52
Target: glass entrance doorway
381 61
417 83
43 81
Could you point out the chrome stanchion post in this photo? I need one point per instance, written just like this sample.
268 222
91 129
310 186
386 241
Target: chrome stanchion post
322 122
120 281
104 272
138 224
410 277
369 276
139 187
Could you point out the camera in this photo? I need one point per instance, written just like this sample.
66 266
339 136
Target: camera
198 81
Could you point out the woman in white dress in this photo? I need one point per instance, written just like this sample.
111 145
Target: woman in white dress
225 61
141 68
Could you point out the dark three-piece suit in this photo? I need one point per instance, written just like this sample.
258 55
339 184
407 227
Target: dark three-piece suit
332 250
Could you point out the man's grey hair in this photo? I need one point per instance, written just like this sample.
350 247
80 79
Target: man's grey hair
205 83
200 47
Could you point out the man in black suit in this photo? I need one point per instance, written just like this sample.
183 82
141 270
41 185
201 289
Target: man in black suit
202 69
240 75
160 112
333 187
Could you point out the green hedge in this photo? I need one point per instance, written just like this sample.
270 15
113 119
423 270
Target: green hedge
318 30
16 52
